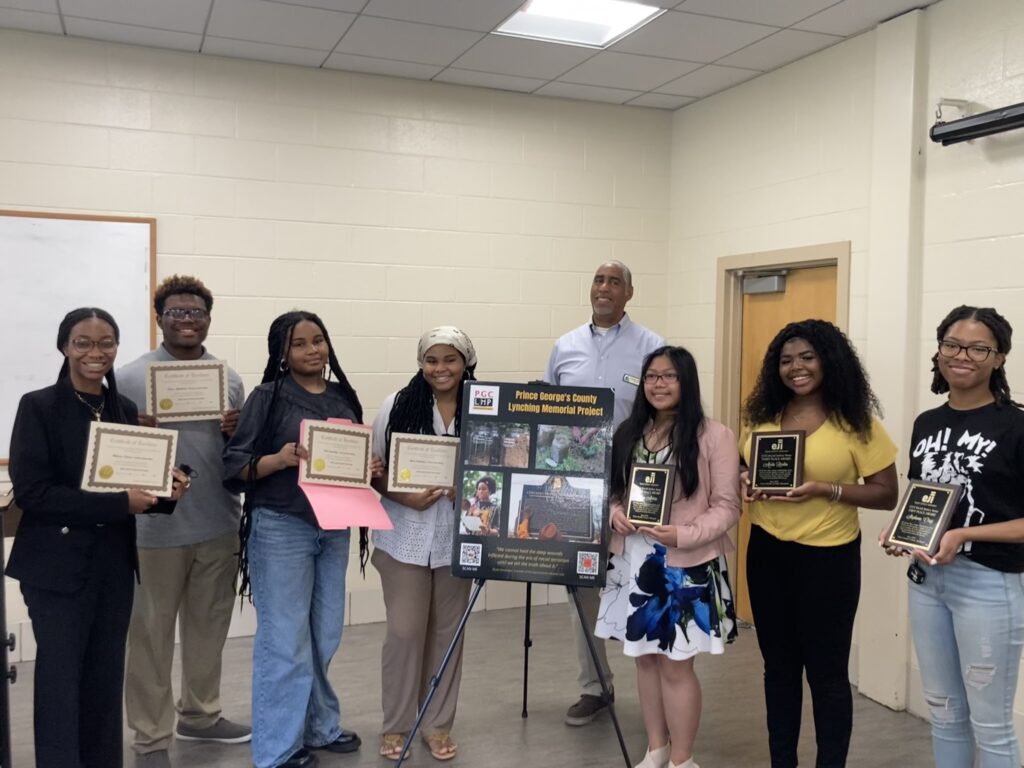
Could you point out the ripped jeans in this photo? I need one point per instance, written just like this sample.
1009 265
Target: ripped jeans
968 623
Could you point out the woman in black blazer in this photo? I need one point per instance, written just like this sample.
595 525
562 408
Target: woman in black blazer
74 552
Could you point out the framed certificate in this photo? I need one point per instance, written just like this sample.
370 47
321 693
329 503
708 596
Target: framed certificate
187 390
121 457
923 515
339 454
418 462
777 461
650 493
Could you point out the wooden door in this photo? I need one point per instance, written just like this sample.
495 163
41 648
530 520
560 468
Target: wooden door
810 293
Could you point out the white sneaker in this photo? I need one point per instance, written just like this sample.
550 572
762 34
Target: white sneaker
657 758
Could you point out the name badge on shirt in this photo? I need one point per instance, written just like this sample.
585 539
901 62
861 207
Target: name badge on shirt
634 380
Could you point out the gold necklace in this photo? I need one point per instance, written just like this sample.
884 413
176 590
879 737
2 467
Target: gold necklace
96 412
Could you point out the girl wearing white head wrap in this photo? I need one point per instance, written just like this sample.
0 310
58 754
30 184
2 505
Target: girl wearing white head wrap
421 597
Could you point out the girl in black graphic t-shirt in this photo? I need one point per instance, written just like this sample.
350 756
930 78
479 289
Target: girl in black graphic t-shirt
968 612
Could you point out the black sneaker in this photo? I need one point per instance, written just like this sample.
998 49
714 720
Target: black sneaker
586 709
345 743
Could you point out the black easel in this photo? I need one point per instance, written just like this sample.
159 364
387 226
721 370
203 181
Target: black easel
7 674
527 645
435 680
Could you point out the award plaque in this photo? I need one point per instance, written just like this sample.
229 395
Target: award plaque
650 494
923 515
777 461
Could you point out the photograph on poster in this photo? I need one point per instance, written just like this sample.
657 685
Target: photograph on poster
555 507
571 448
499 444
481 503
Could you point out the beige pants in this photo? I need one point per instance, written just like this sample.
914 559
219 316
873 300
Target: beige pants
424 606
590 600
195 586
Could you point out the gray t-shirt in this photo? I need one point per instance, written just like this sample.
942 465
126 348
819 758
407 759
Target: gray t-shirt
207 510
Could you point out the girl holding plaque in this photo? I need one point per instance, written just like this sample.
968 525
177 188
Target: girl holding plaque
74 552
667 597
967 603
424 602
295 568
803 557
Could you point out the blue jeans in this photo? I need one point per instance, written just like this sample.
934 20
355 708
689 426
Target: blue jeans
968 625
298 588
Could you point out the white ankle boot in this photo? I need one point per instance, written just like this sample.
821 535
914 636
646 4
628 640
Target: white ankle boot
657 758
685 764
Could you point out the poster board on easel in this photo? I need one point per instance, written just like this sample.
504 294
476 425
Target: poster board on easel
55 262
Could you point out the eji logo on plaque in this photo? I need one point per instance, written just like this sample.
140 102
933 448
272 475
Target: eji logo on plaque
483 399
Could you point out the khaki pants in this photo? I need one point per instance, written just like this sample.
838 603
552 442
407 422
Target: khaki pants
424 606
590 600
195 586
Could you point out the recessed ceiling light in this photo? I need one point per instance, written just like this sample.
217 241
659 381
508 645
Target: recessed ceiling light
591 23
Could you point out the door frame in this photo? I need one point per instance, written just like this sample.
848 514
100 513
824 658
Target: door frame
729 309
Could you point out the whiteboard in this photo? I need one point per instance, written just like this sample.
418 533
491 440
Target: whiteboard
53 263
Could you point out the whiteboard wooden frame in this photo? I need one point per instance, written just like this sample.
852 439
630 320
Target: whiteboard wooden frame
93 299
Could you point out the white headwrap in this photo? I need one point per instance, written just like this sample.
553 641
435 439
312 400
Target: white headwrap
450 335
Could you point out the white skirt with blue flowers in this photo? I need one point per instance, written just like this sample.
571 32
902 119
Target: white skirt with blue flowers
657 608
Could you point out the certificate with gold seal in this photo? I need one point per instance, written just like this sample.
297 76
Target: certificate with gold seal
339 454
418 462
187 390
123 457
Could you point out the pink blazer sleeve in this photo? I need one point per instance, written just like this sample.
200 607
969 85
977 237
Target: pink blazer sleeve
719 490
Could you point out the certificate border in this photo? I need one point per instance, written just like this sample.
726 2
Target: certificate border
96 431
360 432
151 395
954 491
798 477
665 469
397 438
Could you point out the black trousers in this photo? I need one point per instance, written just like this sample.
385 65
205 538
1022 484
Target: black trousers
804 600
79 672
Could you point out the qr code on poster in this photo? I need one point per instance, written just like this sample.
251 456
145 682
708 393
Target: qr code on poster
469 554
586 563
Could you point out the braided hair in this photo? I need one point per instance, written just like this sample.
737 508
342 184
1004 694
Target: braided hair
1002 332
279 340
73 318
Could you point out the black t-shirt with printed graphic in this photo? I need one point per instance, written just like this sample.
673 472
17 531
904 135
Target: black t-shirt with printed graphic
983 450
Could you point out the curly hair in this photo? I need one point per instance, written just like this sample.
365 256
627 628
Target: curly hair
845 390
181 284
1002 332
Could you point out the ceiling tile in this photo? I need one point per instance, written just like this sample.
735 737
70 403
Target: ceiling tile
31 21
348 6
690 37
381 66
480 15
779 49
779 13
627 70
852 17
177 16
661 101
278 24
489 80
587 93
522 58
247 49
707 80
402 40
132 35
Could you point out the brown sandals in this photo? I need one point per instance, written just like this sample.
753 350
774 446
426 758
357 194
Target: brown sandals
441 745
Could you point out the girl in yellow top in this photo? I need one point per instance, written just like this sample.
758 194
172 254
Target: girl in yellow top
803 560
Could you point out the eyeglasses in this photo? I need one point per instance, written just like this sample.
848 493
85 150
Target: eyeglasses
84 345
668 378
976 352
178 313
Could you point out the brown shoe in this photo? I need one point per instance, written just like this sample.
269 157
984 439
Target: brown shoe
586 709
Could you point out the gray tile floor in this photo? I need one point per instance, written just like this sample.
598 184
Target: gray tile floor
489 726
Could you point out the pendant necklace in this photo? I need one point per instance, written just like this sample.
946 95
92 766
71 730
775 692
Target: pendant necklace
96 412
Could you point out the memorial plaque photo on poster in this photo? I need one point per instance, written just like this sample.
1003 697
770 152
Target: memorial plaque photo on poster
777 461
532 484
923 515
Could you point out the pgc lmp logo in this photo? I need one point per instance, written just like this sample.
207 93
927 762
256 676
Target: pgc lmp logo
483 399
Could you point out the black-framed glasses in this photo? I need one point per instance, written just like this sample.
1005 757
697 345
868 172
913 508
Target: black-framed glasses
181 313
976 352
668 378
83 345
